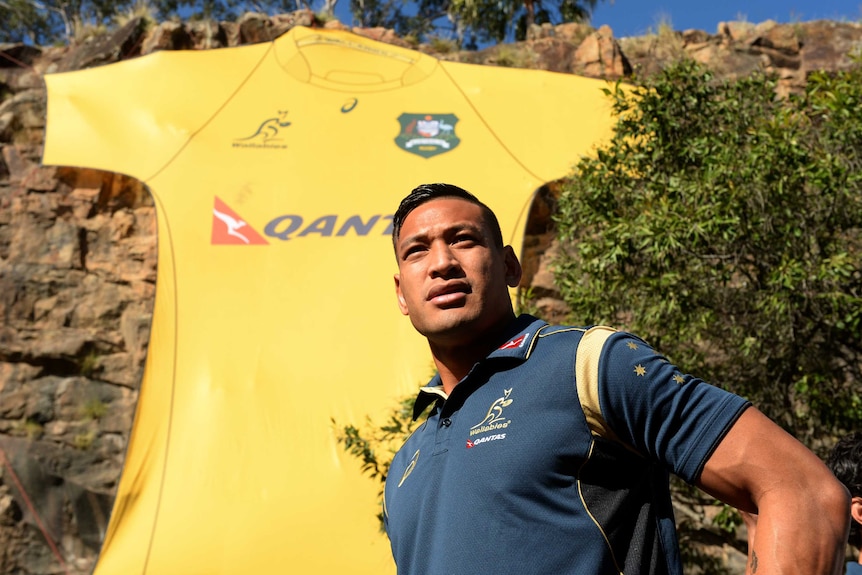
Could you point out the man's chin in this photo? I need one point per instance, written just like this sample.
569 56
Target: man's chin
464 326
448 325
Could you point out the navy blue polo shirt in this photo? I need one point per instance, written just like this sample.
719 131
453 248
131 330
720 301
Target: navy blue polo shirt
552 457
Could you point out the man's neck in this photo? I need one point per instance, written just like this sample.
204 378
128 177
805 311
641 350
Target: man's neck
455 360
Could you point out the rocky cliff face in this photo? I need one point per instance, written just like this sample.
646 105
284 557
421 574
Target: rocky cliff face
77 273
78 254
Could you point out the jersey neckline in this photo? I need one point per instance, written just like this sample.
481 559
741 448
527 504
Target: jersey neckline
345 61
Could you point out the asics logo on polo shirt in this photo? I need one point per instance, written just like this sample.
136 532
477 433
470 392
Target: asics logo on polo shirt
410 467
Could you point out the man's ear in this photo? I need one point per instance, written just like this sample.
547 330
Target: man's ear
402 303
513 267
856 509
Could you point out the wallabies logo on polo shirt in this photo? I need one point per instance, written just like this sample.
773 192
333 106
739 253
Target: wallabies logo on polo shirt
427 135
494 420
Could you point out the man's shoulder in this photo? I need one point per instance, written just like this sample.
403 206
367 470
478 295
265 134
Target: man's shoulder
593 335
598 335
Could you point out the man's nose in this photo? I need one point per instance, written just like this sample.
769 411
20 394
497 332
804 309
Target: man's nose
443 259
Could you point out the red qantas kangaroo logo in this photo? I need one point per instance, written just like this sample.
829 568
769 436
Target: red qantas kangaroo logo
230 229
514 343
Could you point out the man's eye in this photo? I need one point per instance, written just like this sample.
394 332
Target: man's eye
412 250
464 238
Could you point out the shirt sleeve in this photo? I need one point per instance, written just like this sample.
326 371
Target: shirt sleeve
133 117
569 114
661 412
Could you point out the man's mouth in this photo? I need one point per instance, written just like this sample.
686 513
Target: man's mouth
448 293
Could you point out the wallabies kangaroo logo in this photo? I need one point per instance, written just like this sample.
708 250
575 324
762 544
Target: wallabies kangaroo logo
495 412
267 132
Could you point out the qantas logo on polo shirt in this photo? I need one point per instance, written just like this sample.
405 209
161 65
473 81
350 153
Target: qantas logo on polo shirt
471 443
515 343
229 228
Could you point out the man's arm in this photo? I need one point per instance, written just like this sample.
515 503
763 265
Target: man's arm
802 510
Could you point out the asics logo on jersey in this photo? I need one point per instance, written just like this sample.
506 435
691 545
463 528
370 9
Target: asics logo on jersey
349 105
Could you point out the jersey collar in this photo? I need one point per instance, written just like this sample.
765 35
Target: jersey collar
341 60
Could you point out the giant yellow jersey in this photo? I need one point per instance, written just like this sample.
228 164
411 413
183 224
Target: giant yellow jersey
276 169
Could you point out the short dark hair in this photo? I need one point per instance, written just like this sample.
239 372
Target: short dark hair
845 461
427 192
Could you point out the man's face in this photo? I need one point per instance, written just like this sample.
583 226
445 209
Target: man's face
453 279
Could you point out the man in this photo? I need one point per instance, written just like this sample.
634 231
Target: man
845 461
547 448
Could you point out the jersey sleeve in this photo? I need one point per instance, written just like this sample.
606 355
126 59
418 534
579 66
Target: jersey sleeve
132 117
650 405
546 120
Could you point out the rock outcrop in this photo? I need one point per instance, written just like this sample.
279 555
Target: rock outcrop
78 252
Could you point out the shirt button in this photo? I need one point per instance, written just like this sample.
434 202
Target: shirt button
446 422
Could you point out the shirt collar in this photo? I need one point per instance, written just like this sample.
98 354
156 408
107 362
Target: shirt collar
519 339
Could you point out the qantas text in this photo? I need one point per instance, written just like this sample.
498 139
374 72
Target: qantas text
292 226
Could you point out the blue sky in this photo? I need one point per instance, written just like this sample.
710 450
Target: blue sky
638 17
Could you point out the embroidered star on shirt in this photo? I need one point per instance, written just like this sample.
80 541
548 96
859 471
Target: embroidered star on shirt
632 345
640 370
679 379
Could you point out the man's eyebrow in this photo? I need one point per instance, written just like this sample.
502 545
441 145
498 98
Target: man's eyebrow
453 229
410 239
472 226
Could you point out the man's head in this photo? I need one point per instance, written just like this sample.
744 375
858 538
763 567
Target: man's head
453 269
845 461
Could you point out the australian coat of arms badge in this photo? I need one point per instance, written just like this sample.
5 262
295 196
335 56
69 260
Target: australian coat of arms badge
427 135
